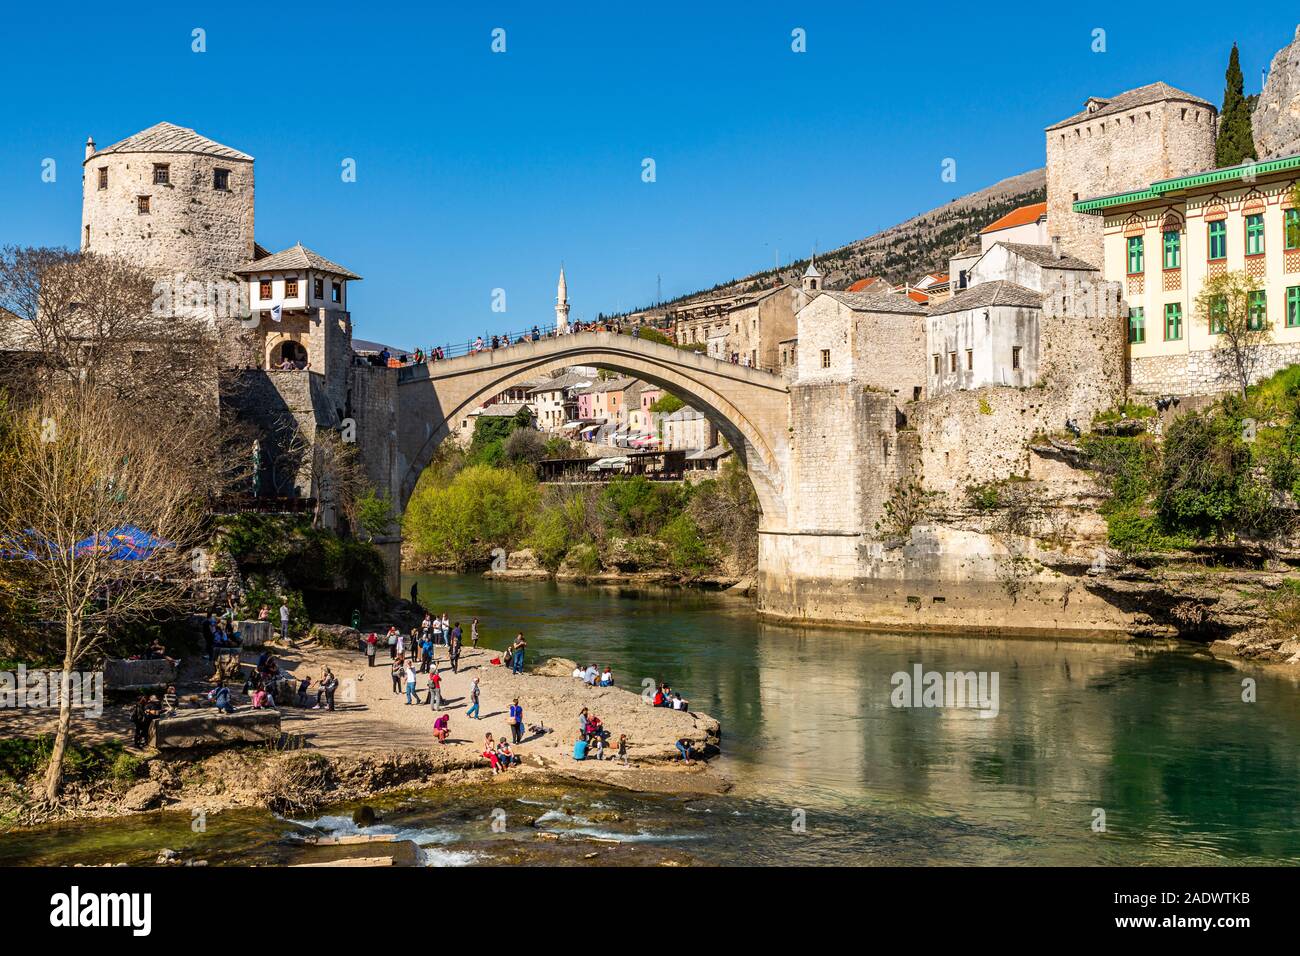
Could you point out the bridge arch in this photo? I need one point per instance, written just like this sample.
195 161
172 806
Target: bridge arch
748 406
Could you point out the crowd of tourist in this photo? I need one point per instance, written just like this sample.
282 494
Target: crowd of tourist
387 358
429 650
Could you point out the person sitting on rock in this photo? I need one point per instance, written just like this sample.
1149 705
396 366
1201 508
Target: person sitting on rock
607 677
490 753
590 675
328 684
220 695
506 757
684 748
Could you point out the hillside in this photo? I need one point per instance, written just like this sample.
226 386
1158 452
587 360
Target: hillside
908 250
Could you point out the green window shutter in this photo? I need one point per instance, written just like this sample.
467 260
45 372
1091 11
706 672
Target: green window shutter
1173 250
1257 314
1173 322
1293 306
1135 263
1137 325
1255 234
1291 228
1218 314
1219 239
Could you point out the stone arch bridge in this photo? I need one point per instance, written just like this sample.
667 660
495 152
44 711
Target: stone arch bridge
750 407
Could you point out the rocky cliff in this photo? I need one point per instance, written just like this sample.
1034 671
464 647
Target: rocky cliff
1276 120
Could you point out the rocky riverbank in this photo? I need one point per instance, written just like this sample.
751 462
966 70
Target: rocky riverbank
373 742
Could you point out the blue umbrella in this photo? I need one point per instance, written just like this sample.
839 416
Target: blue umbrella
25 546
123 543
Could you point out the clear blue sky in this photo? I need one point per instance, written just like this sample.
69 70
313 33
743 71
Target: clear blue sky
478 171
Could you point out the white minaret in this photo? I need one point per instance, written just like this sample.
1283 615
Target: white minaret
562 306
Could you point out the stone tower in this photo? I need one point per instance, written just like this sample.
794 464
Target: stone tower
170 200
1121 143
561 305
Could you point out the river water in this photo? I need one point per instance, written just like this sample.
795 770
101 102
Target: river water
1097 754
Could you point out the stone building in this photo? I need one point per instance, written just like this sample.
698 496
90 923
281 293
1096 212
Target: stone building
555 400
1120 143
1164 239
180 206
170 200
875 338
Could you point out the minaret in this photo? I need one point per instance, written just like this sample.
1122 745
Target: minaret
561 306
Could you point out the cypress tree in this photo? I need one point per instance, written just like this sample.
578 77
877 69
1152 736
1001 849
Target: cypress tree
1236 142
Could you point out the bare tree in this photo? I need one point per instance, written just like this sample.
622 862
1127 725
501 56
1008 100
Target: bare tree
105 324
81 467
1228 306
115 424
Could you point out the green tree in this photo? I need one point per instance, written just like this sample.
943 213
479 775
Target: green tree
483 508
1207 486
666 404
1228 306
1236 142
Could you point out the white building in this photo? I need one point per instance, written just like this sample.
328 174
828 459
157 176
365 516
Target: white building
989 333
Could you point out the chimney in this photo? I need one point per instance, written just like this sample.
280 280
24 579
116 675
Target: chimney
90 146
1056 247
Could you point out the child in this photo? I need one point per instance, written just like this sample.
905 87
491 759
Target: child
435 689
622 749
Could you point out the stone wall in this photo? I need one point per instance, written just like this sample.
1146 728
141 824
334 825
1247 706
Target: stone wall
1116 152
1203 372
190 228
941 579
972 437
282 409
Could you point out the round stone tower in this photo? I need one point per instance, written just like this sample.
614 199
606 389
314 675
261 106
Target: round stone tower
171 201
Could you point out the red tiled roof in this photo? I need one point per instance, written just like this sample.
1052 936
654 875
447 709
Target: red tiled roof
1018 217
862 284
917 296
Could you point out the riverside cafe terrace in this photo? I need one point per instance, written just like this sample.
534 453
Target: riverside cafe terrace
654 465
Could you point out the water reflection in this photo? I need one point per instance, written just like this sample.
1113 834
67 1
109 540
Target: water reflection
1157 737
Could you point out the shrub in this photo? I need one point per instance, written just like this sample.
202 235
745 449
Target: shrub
1207 484
261 590
637 506
482 509
525 446
1129 530
374 514
686 549
984 497
907 506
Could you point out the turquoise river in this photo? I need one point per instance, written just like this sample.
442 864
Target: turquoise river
1158 741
